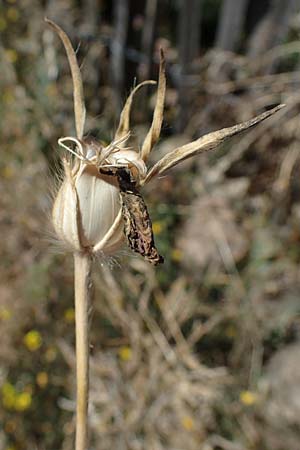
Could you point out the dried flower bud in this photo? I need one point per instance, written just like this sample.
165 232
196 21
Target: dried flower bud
86 210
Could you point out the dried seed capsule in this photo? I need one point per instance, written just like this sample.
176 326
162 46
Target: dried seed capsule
86 208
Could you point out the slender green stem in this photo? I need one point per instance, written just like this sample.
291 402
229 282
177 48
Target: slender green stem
82 270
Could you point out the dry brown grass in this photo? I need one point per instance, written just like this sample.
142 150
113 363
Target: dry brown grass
172 351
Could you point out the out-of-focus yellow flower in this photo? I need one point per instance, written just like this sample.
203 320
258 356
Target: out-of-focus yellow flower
3 24
176 255
13 14
19 401
8 395
157 227
42 379
23 401
11 54
50 354
69 315
188 423
125 353
11 447
5 314
248 398
33 340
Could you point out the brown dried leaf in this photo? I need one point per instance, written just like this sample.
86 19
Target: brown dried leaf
154 132
124 125
205 143
79 106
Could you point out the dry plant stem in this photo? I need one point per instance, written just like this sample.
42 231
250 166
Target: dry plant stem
82 271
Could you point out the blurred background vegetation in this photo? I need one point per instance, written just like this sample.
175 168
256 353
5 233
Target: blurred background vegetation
202 352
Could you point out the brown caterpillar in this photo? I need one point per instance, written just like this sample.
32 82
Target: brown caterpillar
137 222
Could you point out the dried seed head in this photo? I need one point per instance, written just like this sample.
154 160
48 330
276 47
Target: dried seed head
86 209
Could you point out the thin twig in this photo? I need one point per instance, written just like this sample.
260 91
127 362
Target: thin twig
118 44
82 269
148 38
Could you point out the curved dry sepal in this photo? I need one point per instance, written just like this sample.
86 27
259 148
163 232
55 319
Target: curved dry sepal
154 132
124 123
205 143
79 106
116 232
65 213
